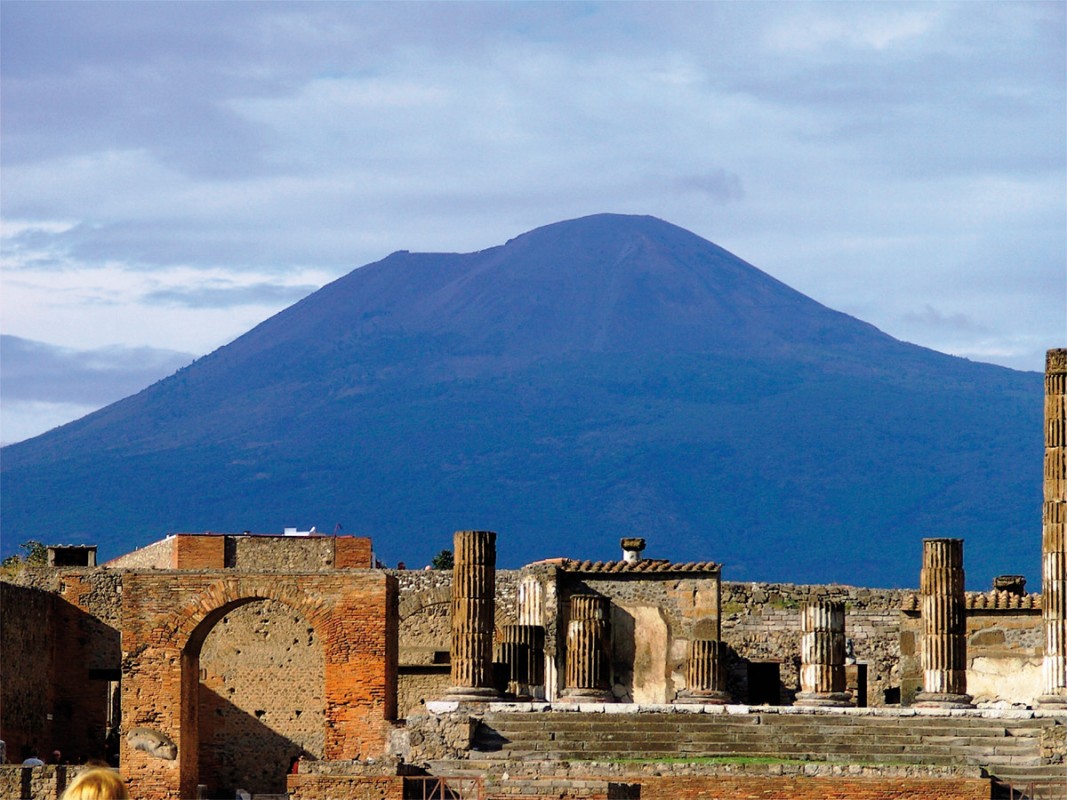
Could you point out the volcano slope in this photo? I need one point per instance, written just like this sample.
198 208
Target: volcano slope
595 378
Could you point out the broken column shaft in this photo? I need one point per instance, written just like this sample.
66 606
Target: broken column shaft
473 608
944 626
1054 535
587 650
822 652
704 673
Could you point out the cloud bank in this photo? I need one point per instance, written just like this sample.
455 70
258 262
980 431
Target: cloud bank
199 166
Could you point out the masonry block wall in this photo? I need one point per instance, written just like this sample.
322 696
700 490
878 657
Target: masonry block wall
168 618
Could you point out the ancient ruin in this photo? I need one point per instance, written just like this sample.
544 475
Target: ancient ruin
207 665
1054 533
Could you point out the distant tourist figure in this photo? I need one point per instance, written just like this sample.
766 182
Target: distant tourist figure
294 765
100 783
31 759
57 757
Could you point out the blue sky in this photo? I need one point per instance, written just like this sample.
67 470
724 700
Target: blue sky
174 173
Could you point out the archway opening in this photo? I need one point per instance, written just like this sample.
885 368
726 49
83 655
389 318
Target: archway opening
254 679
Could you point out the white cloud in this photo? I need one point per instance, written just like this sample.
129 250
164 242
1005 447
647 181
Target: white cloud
161 160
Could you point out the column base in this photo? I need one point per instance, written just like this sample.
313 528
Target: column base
824 699
710 697
1052 702
586 696
472 694
942 700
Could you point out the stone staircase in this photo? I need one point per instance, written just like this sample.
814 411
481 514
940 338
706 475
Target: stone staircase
1007 747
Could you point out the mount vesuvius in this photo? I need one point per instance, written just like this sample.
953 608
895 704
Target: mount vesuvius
591 379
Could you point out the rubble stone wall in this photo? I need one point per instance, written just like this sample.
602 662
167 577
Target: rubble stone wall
761 622
287 553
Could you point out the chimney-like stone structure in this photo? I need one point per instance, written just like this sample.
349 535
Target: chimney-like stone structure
587 650
632 548
822 654
944 626
522 648
705 674
473 610
1054 535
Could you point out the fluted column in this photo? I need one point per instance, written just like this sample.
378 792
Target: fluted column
704 673
822 654
944 624
473 607
587 650
1054 535
522 648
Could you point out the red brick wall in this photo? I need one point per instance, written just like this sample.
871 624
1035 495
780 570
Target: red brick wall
193 551
167 617
742 787
353 552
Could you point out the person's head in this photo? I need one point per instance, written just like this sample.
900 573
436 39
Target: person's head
98 783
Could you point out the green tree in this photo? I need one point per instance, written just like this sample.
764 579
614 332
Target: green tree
36 555
442 560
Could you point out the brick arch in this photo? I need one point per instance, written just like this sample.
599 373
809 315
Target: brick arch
167 614
192 623
414 602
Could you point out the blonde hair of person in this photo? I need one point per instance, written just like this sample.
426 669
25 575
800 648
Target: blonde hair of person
98 783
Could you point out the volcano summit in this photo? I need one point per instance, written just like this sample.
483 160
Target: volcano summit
591 379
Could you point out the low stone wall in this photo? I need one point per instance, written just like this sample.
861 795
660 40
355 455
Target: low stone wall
345 787
35 783
158 555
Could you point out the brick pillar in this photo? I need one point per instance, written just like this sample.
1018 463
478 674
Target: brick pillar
522 649
822 655
587 650
704 673
944 621
473 607
1054 535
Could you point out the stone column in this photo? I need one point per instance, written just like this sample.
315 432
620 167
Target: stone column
704 673
944 625
1054 535
587 650
473 607
822 655
523 649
